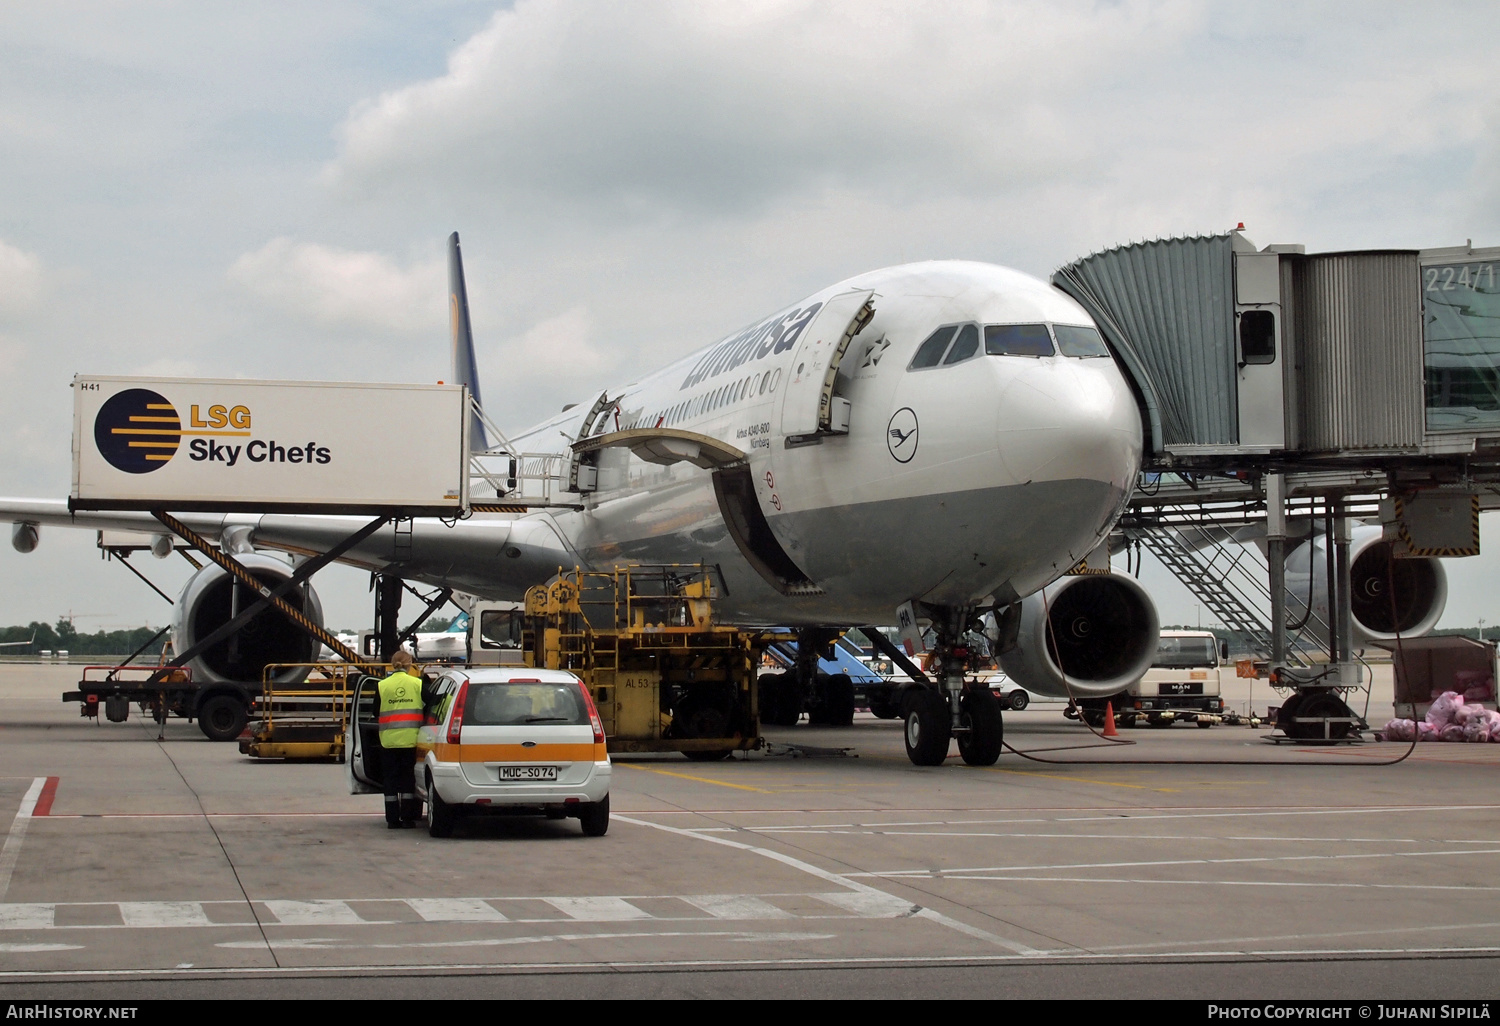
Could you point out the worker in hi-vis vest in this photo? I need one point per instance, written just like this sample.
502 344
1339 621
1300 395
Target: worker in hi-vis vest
400 716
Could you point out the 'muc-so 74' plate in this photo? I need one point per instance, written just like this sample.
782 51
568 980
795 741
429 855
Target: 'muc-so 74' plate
526 772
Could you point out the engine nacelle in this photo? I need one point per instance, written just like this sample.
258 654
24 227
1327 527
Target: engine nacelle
1101 628
211 598
23 537
1419 586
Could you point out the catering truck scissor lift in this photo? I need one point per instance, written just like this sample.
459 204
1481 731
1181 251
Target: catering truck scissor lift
665 677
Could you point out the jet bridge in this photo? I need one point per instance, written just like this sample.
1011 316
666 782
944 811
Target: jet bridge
1286 396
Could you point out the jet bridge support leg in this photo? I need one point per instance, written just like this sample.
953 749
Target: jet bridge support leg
957 707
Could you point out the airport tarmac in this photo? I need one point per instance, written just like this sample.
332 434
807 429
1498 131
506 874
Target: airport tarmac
1191 863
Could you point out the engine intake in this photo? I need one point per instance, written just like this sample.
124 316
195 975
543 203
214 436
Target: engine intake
211 598
1418 586
1101 629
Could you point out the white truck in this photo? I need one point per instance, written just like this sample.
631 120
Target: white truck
1182 684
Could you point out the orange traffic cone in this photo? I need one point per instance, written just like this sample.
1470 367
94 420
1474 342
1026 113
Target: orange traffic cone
1109 720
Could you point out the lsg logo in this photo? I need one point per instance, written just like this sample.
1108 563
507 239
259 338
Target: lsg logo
139 430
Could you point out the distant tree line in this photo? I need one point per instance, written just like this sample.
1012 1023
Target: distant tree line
63 635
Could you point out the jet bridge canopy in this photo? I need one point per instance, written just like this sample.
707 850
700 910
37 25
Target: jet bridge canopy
1237 352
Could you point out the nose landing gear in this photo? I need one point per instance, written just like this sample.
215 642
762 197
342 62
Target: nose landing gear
956 707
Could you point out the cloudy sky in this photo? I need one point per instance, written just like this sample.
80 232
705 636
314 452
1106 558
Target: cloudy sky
264 189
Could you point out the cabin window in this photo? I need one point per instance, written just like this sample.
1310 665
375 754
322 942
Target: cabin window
965 346
1017 340
930 353
1078 340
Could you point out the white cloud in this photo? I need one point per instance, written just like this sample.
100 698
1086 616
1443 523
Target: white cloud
344 288
20 278
723 107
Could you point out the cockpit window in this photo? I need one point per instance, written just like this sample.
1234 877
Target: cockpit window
965 346
1076 340
1017 340
931 351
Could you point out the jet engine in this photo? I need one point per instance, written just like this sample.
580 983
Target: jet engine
211 598
1092 636
1385 594
23 537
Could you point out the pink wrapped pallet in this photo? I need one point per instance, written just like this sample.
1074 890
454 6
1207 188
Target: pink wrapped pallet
1440 714
1399 730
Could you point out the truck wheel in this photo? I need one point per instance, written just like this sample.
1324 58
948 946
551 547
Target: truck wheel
1019 700
222 717
928 729
882 704
982 745
768 686
788 701
440 815
1204 724
838 700
594 817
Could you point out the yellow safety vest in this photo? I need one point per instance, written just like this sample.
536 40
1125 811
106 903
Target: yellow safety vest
400 710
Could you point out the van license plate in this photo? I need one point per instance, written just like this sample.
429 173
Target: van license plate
527 772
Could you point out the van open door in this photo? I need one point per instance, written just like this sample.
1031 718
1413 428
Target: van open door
363 742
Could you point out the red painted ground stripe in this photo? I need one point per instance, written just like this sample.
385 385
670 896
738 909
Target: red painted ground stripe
44 800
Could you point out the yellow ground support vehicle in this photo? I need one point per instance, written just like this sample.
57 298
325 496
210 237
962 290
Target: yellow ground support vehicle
642 638
306 720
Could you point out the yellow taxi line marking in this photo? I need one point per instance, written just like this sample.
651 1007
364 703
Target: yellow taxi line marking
689 776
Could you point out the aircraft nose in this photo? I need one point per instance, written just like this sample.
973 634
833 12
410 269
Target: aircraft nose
1070 420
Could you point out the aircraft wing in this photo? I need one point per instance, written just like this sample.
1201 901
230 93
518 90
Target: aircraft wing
491 555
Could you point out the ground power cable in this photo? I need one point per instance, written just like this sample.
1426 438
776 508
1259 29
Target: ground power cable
1030 756
259 926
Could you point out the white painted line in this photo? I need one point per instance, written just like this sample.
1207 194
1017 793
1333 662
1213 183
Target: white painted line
1269 838
736 906
614 966
1226 883
23 947
1358 810
163 913
871 906
313 913
597 910
26 917
938 874
456 910
834 878
325 943
11 851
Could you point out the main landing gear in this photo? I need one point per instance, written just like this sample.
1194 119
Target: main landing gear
952 707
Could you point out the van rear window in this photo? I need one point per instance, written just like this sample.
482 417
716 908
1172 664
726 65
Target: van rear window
498 704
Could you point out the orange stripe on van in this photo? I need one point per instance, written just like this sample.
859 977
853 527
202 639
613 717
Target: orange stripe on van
585 752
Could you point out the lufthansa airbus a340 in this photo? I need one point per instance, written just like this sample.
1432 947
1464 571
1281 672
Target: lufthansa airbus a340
948 434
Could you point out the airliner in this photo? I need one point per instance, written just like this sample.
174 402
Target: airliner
951 435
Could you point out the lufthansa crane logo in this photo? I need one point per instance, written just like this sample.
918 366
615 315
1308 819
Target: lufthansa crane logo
137 430
901 435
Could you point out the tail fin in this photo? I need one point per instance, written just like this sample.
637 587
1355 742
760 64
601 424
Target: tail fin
465 369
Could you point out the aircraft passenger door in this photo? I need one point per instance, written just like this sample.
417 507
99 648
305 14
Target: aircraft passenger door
807 400
363 738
